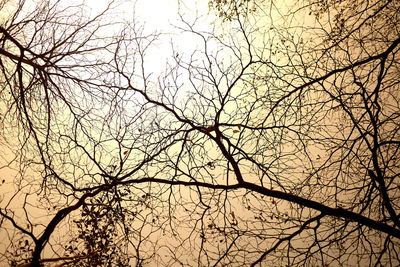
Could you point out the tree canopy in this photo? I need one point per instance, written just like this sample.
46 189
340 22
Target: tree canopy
274 140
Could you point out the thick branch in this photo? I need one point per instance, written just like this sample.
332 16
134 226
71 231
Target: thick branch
325 210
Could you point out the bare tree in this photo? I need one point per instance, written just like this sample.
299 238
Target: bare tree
274 142
63 129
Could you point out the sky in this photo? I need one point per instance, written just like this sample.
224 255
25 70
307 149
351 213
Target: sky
158 16
163 18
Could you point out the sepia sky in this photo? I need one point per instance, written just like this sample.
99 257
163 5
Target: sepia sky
184 132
